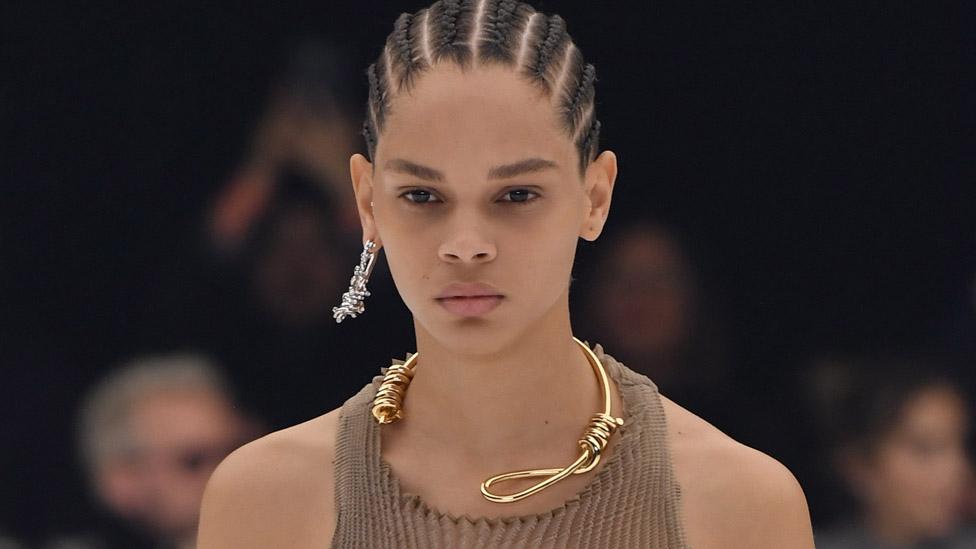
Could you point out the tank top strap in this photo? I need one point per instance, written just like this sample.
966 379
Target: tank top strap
356 483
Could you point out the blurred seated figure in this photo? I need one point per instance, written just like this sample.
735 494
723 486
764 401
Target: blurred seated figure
151 434
899 429
651 305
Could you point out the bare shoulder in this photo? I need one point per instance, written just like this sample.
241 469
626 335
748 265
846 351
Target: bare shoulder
274 492
732 495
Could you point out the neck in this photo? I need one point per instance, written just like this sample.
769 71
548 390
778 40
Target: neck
539 390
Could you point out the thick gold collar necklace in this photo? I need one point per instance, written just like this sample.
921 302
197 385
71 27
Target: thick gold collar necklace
387 409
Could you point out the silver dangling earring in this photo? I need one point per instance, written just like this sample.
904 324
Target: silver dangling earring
352 301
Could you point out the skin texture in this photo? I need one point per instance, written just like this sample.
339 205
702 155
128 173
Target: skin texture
473 382
912 484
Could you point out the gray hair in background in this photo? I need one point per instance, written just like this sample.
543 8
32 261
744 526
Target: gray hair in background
103 430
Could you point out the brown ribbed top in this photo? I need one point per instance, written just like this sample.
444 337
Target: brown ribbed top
633 500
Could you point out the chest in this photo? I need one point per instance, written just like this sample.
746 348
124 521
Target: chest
453 485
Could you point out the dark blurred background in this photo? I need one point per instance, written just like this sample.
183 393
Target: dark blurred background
816 159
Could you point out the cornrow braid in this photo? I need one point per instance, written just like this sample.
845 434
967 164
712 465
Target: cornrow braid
506 32
589 143
582 96
554 38
376 110
498 31
451 30
401 51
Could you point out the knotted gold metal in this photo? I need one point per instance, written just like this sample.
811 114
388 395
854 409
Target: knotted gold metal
387 408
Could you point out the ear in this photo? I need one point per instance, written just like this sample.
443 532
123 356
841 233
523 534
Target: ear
598 181
361 171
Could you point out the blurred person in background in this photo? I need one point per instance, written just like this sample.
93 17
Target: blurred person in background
292 261
650 302
260 292
309 127
150 435
268 314
899 429
956 338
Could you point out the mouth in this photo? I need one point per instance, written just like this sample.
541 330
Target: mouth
470 306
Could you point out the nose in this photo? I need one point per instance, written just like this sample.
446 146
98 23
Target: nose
468 246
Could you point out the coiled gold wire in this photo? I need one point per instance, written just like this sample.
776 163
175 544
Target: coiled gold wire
387 408
388 402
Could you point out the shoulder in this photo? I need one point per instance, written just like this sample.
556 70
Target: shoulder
733 495
275 491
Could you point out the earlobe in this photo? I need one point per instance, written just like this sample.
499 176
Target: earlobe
361 171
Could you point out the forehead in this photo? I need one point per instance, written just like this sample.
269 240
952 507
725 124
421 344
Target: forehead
479 116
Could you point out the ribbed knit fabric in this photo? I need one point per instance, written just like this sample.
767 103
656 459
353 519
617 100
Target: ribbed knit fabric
632 501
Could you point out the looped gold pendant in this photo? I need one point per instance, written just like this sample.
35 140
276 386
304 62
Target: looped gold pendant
591 444
389 399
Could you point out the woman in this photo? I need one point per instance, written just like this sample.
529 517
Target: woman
899 443
483 173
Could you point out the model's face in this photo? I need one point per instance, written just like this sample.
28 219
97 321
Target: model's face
476 182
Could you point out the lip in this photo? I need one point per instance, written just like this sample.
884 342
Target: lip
470 306
469 299
468 289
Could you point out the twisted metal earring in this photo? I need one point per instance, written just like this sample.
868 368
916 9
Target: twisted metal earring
352 301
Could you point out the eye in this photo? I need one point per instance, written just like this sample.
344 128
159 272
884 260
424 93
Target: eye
420 196
520 196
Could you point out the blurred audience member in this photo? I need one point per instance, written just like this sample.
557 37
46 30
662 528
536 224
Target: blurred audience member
651 311
268 315
899 430
310 126
294 258
281 242
150 435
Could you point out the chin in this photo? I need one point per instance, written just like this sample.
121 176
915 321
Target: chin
472 336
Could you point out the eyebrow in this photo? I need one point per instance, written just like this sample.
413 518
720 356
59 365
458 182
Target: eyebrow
529 165
416 170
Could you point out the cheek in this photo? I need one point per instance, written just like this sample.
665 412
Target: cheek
907 477
122 489
409 261
541 252
409 248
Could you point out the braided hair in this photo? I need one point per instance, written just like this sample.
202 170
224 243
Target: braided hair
505 32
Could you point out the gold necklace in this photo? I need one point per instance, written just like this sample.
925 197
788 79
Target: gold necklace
387 408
